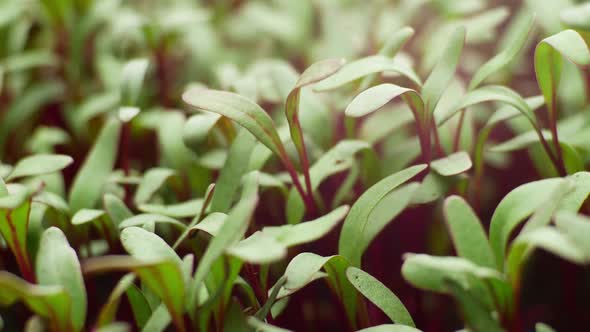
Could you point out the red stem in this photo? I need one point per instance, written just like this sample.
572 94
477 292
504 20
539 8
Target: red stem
307 198
457 137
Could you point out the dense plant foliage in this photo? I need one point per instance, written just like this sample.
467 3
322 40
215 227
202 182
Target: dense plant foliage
305 165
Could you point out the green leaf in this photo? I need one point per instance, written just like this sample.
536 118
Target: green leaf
376 97
151 181
145 245
444 70
475 313
132 77
163 277
58 265
309 231
231 232
390 328
258 248
240 109
302 270
84 216
14 227
495 93
337 159
141 308
577 228
315 73
88 184
39 164
547 238
211 224
467 233
379 295
115 327
514 45
197 128
116 209
206 201
150 218
542 215
542 327
576 17
359 228
548 63
51 302
261 326
432 272
523 201
109 309
366 66
179 210
235 166
452 164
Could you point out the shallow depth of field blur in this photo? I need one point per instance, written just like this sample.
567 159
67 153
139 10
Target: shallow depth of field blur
115 224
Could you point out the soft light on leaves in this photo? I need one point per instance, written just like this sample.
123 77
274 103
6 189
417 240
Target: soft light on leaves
150 218
163 277
432 272
355 238
211 224
131 80
513 46
467 233
542 327
151 181
523 201
316 72
14 227
390 328
235 166
179 210
363 67
39 164
57 265
51 302
292 235
475 313
444 70
577 17
302 270
145 245
258 248
116 209
240 109
109 309
376 97
548 63
490 93
89 182
577 228
84 216
452 164
380 295
231 231
197 128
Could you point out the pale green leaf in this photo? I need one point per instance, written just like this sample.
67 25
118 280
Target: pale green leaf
354 238
58 265
467 233
39 164
452 164
379 295
151 181
89 182
366 66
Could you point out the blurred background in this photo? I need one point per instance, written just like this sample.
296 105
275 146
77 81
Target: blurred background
60 69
